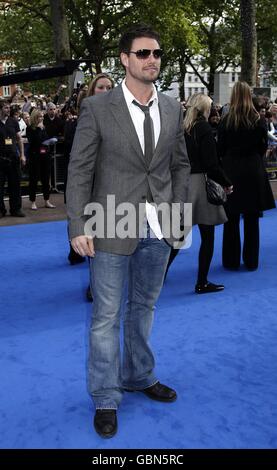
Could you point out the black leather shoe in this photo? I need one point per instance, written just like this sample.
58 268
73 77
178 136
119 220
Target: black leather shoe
105 422
250 268
18 213
208 288
160 392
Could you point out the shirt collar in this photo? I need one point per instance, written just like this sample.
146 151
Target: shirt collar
129 97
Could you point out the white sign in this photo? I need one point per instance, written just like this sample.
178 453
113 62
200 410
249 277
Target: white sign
79 78
273 93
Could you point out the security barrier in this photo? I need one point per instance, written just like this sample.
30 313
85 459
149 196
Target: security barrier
58 167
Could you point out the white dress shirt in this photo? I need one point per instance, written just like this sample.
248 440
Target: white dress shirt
138 116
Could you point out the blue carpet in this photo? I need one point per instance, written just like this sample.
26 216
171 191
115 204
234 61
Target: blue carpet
218 350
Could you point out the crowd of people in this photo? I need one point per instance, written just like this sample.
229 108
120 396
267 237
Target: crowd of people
220 141
229 144
33 128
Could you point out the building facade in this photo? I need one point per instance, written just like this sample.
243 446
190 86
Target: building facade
193 84
6 91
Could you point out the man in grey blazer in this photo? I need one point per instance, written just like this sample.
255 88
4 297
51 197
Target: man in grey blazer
129 156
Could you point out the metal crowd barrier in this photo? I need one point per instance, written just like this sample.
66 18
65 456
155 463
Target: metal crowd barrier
58 167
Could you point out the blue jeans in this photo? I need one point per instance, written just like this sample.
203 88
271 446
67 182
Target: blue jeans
144 272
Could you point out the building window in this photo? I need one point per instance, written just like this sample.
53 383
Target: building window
189 91
6 91
196 78
233 76
189 78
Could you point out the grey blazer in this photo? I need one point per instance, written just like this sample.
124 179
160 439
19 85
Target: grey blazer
107 159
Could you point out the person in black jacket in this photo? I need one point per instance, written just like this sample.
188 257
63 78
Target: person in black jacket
39 159
202 152
10 161
242 143
53 124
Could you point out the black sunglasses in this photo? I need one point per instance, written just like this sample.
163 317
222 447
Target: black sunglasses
145 53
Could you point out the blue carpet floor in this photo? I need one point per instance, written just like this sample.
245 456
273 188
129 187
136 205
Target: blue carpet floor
218 350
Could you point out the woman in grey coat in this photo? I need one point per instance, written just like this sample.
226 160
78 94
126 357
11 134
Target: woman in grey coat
202 153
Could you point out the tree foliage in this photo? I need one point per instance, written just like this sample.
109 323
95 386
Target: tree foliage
266 16
204 34
26 35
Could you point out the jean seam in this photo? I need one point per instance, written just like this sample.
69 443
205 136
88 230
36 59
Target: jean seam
130 336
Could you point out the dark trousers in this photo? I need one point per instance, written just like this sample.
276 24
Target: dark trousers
172 256
231 252
10 172
206 252
39 170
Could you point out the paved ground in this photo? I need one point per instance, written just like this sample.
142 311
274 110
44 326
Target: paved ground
41 215
59 213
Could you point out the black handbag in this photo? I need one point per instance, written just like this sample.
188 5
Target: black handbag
215 192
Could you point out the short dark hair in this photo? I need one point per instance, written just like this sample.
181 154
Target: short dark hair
15 109
136 31
3 103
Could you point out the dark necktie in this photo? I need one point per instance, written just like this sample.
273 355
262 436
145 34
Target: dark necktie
148 131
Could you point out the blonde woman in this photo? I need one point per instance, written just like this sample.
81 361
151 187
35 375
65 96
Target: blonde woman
242 141
39 159
202 153
101 83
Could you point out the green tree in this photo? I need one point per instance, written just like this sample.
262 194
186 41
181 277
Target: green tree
218 23
94 29
199 33
26 34
266 17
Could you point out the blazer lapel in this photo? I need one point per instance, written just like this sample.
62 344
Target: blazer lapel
121 114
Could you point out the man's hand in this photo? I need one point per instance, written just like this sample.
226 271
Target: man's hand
83 246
